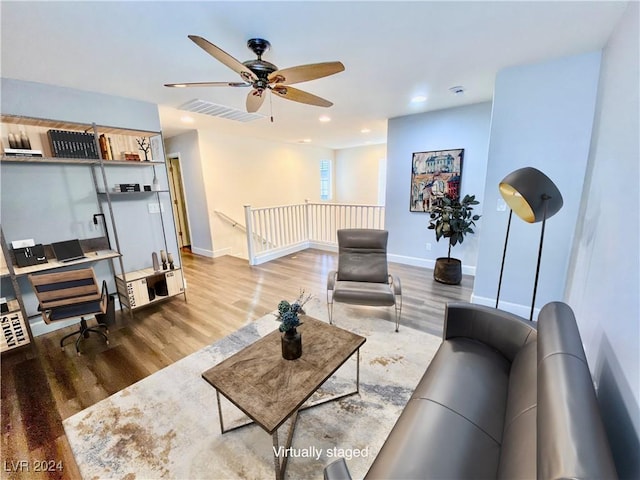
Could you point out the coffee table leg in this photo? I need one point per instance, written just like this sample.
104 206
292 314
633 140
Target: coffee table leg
358 371
220 411
276 459
281 465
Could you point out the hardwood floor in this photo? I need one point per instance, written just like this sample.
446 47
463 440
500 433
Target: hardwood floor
42 386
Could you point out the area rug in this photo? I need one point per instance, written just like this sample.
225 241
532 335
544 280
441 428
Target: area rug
167 425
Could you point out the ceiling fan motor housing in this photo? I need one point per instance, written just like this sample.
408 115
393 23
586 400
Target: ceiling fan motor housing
260 67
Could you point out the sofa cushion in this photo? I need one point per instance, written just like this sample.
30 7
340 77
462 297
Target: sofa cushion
431 441
471 379
519 437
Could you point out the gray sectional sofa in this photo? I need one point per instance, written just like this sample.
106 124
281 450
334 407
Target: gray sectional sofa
501 399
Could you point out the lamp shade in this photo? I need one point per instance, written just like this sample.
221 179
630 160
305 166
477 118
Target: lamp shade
527 190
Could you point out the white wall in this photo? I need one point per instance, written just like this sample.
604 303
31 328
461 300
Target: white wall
240 171
542 117
357 172
604 288
462 127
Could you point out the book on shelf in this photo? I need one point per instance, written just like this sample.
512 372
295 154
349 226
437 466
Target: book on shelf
127 187
104 147
69 144
21 152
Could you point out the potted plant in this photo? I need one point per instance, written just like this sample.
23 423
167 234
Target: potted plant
452 219
289 321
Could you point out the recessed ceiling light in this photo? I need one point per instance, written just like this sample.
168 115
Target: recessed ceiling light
186 119
457 90
365 130
325 118
419 99
305 140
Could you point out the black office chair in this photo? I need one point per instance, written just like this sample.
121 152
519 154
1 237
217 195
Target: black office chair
70 294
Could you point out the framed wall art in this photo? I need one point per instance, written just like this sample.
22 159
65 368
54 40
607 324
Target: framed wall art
435 175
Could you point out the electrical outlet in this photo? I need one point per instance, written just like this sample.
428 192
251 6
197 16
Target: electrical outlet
428 247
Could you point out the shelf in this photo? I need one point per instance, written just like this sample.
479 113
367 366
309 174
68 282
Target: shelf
142 192
142 287
133 163
145 273
87 127
53 264
79 161
58 160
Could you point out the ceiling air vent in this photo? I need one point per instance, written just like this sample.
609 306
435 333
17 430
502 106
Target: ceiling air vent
215 110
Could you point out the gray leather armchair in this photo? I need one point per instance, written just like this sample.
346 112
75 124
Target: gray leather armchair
362 277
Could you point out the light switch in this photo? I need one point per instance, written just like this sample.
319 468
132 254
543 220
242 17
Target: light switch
155 207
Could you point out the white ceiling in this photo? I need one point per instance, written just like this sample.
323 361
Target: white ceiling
391 51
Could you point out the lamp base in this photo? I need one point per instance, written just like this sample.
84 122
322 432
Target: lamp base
448 270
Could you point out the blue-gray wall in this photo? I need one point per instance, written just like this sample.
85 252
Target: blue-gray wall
542 117
31 99
463 127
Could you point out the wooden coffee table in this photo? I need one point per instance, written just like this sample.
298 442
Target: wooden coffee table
270 389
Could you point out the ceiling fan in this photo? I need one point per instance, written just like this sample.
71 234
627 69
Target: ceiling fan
263 76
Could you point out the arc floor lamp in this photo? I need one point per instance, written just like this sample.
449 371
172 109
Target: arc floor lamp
535 198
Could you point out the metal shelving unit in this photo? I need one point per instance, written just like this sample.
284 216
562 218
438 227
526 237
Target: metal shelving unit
105 197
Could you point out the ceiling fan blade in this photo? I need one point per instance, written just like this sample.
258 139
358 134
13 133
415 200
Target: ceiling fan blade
297 95
304 73
225 58
207 84
255 99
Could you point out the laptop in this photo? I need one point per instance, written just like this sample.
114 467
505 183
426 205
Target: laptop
68 250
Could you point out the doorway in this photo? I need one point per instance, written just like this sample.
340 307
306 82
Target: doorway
176 186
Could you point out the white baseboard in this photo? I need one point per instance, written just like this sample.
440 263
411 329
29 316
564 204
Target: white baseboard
327 247
425 263
222 251
280 252
518 309
202 251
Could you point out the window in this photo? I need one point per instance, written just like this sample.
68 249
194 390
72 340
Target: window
325 179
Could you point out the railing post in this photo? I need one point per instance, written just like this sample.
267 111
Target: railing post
249 226
307 219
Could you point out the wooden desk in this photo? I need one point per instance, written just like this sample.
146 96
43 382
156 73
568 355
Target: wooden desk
53 263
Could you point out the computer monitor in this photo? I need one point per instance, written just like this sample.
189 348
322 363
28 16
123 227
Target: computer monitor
68 250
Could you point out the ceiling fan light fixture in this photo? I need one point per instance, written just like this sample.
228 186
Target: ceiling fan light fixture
262 75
